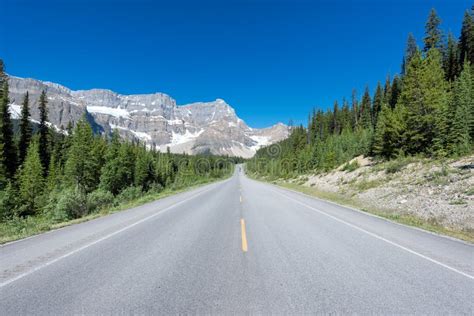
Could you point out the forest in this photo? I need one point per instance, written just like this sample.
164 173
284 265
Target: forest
49 177
426 110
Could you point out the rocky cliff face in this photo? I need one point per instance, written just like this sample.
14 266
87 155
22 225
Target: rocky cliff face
203 127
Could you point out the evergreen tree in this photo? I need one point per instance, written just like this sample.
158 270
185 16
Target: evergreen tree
43 132
433 34
462 103
80 169
377 104
424 98
6 134
366 109
117 173
388 133
346 123
31 181
335 124
387 90
466 40
3 78
395 92
410 50
451 59
25 130
144 171
355 110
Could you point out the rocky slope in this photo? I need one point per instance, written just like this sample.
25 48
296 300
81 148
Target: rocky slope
441 193
203 127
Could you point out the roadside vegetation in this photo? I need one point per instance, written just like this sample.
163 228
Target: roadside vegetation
425 113
50 178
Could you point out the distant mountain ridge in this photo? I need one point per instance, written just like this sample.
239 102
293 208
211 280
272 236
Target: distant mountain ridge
156 119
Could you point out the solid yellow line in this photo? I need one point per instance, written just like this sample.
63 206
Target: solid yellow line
244 235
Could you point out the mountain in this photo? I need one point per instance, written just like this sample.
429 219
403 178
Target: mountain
202 127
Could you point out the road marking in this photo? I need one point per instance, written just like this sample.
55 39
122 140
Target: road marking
244 235
241 199
101 239
381 238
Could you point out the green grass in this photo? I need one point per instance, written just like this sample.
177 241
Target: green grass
19 228
349 167
458 202
410 220
365 184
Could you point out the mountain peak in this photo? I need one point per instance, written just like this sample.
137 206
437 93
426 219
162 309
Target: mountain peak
154 119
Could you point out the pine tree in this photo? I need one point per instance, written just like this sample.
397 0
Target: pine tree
6 134
54 173
433 34
118 171
423 99
31 181
396 90
462 103
3 78
144 172
410 50
335 123
80 168
451 59
466 40
43 132
382 145
346 116
377 104
387 90
355 110
25 130
366 109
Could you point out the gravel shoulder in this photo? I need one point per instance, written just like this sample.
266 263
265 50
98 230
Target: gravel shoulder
434 195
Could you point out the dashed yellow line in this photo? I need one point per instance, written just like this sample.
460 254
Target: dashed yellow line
244 235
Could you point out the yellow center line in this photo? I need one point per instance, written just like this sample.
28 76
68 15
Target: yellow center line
244 235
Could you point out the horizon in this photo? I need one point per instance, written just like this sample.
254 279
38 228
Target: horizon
246 63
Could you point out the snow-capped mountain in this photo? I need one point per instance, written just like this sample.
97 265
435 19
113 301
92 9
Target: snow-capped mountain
202 127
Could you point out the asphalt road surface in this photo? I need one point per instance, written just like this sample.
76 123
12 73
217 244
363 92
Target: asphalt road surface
237 246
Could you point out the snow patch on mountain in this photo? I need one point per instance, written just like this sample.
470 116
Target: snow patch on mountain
117 112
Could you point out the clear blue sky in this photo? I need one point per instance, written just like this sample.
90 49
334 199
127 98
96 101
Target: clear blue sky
271 60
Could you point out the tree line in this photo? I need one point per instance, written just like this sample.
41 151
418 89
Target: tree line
68 174
428 109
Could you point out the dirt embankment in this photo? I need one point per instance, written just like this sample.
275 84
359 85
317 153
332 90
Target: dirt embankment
440 193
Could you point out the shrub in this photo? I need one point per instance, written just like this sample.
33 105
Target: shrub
351 166
71 204
155 188
130 193
396 165
99 199
8 202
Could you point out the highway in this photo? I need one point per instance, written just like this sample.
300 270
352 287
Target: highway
237 246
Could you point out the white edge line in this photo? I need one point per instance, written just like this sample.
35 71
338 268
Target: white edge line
381 238
366 213
110 214
101 239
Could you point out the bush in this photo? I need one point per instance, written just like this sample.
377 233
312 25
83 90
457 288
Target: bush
8 202
130 193
396 165
71 204
351 166
99 199
155 188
